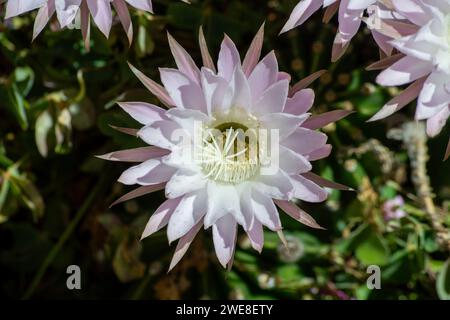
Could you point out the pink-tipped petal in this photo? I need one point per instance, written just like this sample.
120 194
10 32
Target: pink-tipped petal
135 155
124 17
254 52
307 190
325 183
206 56
153 87
160 218
144 113
183 60
324 119
183 245
297 213
400 101
138 192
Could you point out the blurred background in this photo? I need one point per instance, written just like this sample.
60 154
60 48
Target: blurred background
57 105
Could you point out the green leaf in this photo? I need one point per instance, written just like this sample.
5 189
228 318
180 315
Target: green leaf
373 250
443 282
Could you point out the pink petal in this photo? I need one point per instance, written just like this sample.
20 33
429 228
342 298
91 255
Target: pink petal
263 75
224 237
17 7
447 152
292 162
254 52
322 120
297 213
400 101
183 245
185 93
102 14
404 71
301 102
265 211
385 63
206 56
161 217
138 192
183 182
307 190
256 236
144 113
302 11
305 141
188 213
145 5
304 83
320 153
43 16
124 17
228 58
159 133
135 155
273 99
324 182
153 87
183 60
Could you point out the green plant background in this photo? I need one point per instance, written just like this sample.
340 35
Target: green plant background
57 102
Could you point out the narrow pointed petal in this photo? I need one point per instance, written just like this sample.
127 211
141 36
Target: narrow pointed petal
447 152
256 236
320 153
306 190
124 17
297 213
102 15
153 87
144 113
400 101
188 213
265 211
129 131
304 83
322 120
385 63
228 58
160 218
43 16
325 183
206 56
85 25
300 103
183 245
224 237
135 155
254 52
183 60
138 192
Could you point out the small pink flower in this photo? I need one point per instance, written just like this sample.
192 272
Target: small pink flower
393 208
77 12
350 18
222 184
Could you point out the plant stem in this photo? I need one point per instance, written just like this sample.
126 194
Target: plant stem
62 240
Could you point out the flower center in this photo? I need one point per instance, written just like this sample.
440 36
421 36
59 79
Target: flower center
229 153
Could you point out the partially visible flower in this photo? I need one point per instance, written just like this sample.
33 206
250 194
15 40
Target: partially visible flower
350 17
76 13
393 208
424 60
209 152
